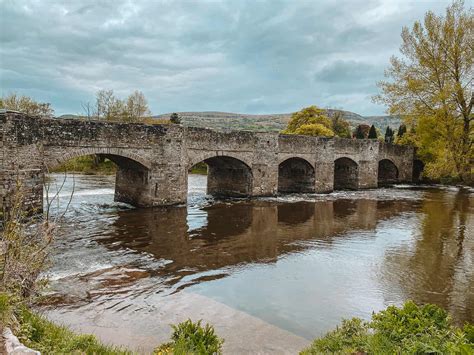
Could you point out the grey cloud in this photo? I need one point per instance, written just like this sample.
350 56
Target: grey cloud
242 56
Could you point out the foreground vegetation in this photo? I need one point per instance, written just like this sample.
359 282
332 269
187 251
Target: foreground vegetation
89 165
410 329
38 333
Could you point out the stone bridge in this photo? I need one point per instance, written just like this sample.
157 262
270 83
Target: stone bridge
153 160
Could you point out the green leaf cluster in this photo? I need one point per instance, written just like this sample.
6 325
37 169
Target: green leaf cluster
313 121
410 329
192 338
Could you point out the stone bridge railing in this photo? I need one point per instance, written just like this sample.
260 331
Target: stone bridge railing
153 160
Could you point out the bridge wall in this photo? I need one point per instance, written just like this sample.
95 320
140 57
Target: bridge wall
153 160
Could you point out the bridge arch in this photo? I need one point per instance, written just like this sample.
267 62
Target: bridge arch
387 172
346 174
227 176
296 175
55 159
132 178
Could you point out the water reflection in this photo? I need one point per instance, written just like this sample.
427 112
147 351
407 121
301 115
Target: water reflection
439 267
240 233
301 266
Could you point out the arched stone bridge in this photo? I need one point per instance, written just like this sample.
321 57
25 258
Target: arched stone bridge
153 160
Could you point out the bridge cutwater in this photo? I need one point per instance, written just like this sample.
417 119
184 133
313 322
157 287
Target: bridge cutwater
153 160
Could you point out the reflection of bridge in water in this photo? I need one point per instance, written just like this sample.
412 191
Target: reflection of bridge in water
153 161
241 233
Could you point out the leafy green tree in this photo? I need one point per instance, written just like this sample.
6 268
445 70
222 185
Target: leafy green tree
431 89
314 129
310 121
340 126
26 105
174 118
372 133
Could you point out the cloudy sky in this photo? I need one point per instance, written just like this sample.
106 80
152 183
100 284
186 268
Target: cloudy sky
238 56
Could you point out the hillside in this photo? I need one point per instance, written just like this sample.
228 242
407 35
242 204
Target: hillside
270 122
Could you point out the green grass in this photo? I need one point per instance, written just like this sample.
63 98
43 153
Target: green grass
192 338
40 334
410 329
199 168
87 165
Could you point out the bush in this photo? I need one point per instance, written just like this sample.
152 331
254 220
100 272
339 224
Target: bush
192 338
410 329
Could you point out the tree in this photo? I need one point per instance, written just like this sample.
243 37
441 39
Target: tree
26 105
340 126
133 109
401 130
389 135
431 89
174 118
106 104
314 129
372 132
87 109
362 131
309 117
136 107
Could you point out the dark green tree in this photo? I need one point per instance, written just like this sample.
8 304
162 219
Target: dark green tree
361 132
402 130
174 118
372 132
389 135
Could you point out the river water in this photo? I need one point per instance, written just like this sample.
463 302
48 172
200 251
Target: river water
271 273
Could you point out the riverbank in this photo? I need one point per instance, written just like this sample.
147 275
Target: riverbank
92 165
242 332
40 334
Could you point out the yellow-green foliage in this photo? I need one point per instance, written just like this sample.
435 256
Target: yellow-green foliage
26 105
310 121
431 88
155 121
199 168
192 338
314 129
410 329
88 165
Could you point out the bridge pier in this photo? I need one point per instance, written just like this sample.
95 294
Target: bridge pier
324 177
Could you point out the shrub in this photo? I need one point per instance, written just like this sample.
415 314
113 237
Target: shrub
192 338
410 329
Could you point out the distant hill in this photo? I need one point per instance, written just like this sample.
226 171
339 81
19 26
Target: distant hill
270 123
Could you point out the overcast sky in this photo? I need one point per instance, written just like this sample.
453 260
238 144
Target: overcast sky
236 56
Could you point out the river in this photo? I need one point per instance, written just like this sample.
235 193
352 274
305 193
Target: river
270 273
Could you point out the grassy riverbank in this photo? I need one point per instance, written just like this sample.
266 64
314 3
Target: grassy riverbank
410 329
40 334
90 165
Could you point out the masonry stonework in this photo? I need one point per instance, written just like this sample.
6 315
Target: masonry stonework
153 160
